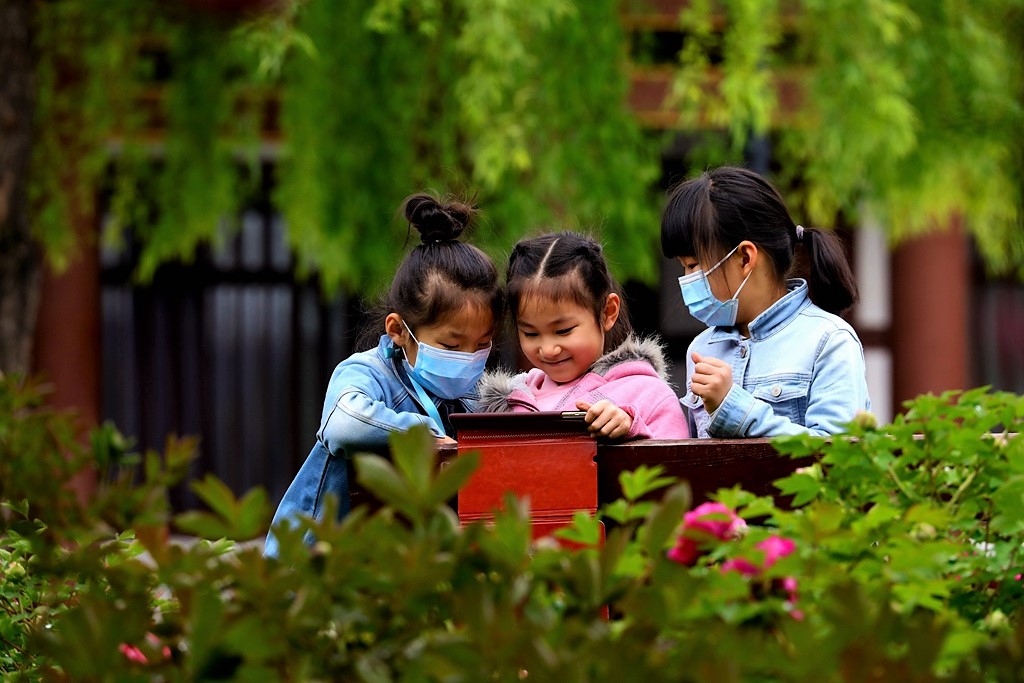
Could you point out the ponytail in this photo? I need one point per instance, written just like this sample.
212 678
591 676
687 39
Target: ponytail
830 280
708 215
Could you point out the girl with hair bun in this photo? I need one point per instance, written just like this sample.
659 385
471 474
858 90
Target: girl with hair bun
437 319
776 357
574 328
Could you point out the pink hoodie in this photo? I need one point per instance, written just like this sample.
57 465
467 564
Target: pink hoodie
633 377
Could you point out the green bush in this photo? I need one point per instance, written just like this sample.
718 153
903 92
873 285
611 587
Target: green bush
899 560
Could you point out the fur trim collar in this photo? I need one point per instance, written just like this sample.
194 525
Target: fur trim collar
494 389
635 348
497 385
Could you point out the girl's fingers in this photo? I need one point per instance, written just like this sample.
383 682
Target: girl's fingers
599 422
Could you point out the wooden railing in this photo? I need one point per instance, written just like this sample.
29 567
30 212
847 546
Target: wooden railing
706 464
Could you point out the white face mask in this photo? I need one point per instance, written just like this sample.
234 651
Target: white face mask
701 302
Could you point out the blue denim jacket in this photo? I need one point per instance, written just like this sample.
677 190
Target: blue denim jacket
368 398
800 371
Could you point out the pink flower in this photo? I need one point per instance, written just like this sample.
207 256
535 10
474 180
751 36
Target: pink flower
773 547
741 565
707 522
132 653
685 552
714 520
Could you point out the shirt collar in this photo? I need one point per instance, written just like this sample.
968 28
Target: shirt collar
773 318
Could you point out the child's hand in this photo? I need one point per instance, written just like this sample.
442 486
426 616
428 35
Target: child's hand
606 419
446 439
711 380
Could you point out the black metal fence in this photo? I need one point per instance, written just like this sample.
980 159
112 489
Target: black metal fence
228 348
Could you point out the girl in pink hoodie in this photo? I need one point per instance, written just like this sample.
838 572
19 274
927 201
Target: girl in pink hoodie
573 327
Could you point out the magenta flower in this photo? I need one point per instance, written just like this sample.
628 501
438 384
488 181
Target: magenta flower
133 654
714 520
706 523
773 547
741 565
685 551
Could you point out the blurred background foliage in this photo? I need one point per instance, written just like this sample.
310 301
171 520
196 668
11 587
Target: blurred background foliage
911 111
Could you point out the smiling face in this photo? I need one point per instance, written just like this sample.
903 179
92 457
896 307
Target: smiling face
562 338
469 329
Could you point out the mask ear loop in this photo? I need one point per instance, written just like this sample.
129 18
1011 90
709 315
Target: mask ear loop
421 393
742 284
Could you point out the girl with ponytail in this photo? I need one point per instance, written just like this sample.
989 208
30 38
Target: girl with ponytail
776 357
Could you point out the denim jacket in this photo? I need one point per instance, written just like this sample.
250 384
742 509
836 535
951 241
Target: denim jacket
368 398
800 371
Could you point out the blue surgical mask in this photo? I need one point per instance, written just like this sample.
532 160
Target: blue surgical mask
444 373
702 304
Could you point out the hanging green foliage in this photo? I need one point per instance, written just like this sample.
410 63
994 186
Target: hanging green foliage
521 106
910 110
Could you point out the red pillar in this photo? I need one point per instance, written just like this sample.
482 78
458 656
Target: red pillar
931 286
67 338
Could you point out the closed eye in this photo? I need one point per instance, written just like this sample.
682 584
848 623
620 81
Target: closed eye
565 330
527 334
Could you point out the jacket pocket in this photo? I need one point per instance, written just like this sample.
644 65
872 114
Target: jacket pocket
787 396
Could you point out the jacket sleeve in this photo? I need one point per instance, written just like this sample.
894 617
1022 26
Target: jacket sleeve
838 390
362 416
660 417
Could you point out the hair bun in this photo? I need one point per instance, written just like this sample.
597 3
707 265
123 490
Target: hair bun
436 220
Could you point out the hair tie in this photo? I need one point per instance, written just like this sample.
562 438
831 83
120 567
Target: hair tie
799 233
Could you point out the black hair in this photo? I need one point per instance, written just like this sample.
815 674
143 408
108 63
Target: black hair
441 274
566 266
708 215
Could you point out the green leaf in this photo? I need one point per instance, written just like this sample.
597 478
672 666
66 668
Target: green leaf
203 524
253 514
665 519
643 480
216 494
415 454
452 477
585 530
378 477
617 511
803 487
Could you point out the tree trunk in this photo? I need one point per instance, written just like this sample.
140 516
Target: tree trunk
20 254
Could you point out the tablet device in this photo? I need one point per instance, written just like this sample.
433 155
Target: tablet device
557 422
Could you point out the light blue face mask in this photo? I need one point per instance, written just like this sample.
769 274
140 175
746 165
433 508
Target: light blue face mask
445 373
702 304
